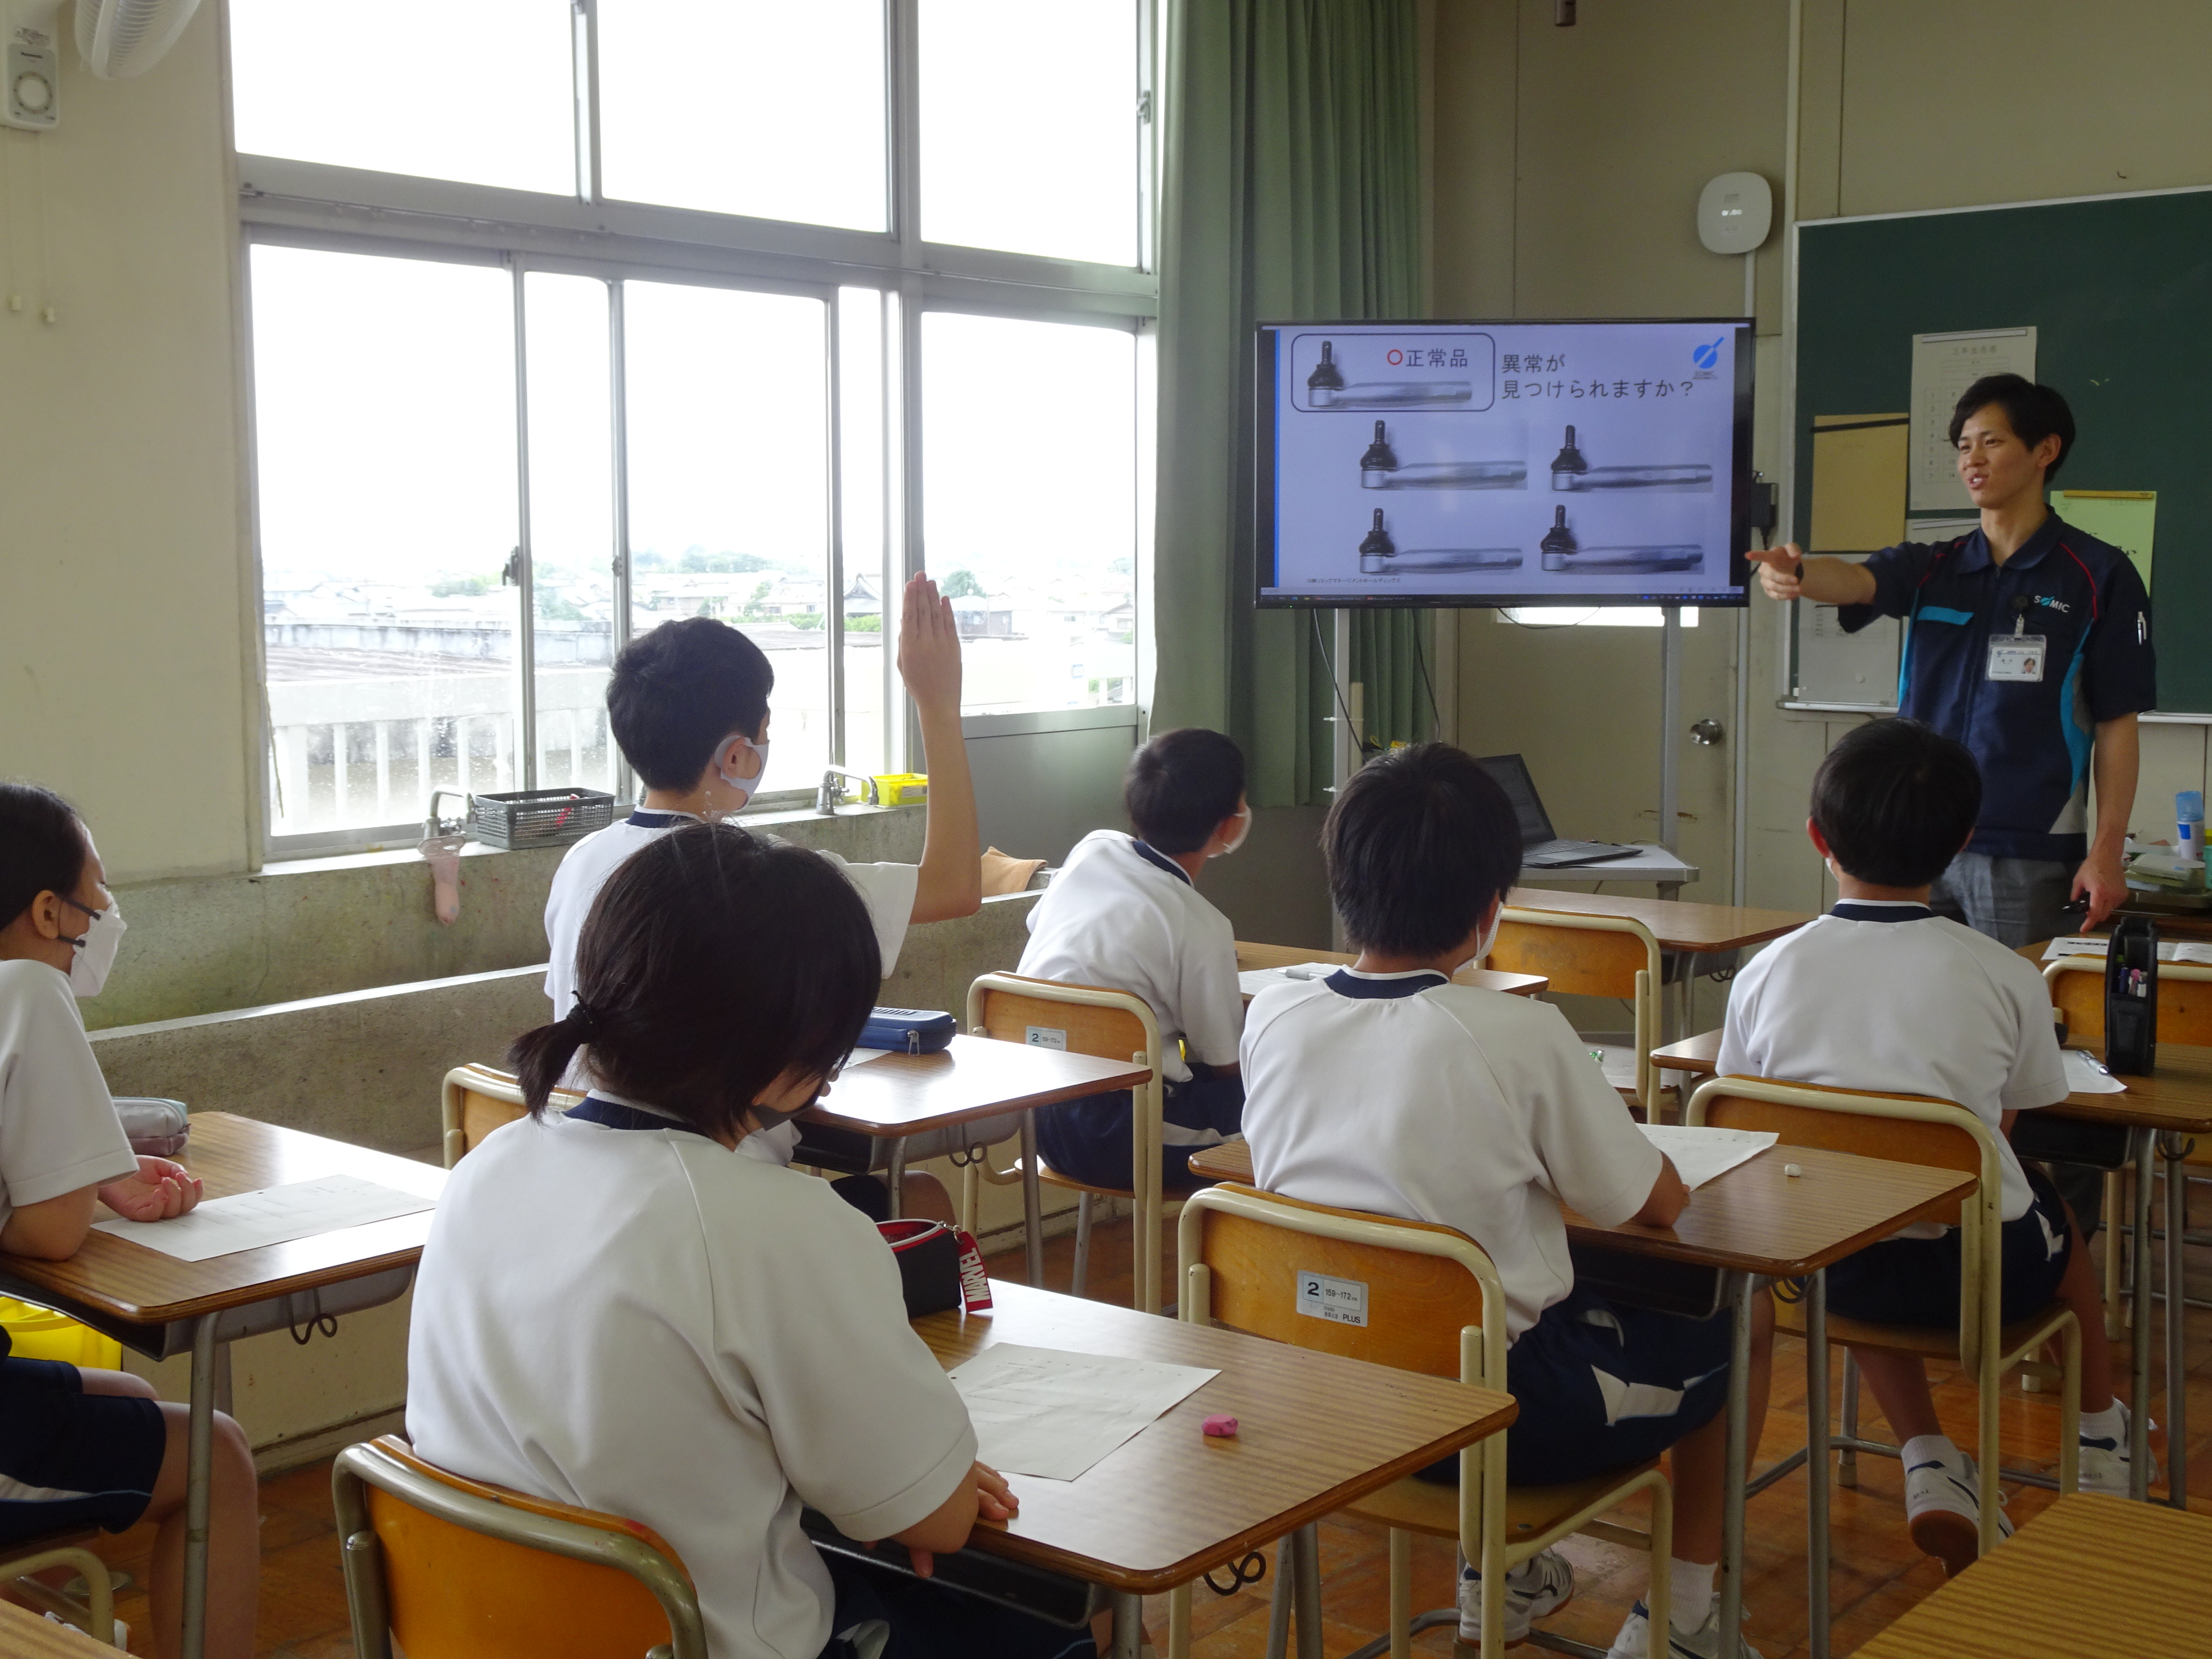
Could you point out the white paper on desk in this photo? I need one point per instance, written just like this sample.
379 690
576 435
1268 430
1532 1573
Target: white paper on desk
1701 1153
1256 979
861 1057
2085 1075
1050 1413
273 1215
2089 945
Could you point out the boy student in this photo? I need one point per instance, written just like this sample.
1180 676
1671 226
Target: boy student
1124 913
688 704
1883 994
614 1310
1388 1088
88 1446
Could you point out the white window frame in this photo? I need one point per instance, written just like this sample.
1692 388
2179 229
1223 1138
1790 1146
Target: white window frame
290 203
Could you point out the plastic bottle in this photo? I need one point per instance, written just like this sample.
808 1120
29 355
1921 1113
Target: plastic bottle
2188 822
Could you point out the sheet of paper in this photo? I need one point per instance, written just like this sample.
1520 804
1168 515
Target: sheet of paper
2126 518
1700 1154
862 1056
1256 979
273 1215
2169 949
2085 1075
1858 482
1943 367
1047 1412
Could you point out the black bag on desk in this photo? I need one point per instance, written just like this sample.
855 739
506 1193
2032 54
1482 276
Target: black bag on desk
2132 997
940 1267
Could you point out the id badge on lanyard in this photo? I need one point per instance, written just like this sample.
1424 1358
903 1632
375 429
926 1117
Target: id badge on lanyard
2018 656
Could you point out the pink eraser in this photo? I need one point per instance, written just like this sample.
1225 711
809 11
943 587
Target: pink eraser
1221 1428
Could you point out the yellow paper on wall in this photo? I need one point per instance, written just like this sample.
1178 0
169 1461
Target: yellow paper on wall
1858 482
2126 518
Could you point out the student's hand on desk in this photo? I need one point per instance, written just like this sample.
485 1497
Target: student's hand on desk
158 1191
994 1500
929 647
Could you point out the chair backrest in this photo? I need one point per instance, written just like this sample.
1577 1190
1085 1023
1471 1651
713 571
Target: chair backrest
1081 1019
455 1569
1589 957
2184 999
477 1099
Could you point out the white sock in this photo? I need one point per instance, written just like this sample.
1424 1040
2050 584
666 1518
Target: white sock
2110 1424
1690 1586
1932 1449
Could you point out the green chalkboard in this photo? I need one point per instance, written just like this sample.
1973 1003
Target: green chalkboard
2119 289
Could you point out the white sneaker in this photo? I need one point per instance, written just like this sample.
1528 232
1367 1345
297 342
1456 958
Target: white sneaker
1943 1511
1634 1641
2106 1466
1535 1589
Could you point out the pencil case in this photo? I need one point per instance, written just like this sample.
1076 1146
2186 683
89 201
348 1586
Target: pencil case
156 1129
940 1267
909 1031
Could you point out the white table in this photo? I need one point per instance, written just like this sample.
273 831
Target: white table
1650 862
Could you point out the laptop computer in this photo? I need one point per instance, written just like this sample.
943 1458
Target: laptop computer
1541 848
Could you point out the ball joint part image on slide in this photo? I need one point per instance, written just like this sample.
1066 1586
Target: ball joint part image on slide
1560 553
1380 469
1326 388
1379 555
1570 471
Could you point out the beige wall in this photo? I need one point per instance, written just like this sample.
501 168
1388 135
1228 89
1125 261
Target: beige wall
126 670
1567 168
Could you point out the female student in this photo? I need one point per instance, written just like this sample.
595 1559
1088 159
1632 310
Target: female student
615 1311
91 1448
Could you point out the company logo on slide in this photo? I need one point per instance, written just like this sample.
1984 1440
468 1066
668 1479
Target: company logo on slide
1705 356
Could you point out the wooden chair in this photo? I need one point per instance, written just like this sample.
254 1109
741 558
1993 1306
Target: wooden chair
67 1546
1591 957
1434 1305
1082 1019
477 1099
454 1569
1938 1134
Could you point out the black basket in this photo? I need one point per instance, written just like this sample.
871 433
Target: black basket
539 817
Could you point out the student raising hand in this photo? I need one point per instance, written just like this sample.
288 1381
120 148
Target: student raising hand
951 879
928 648
159 1191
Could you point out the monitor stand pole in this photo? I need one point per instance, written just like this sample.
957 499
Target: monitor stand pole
1343 744
1670 718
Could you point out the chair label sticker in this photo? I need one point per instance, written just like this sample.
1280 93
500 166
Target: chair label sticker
1045 1037
1343 1301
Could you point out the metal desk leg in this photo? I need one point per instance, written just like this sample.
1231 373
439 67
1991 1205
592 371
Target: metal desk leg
894 1179
2139 1371
1816 1463
1032 1203
1279 1603
1128 1625
1305 1546
1746 1286
200 1482
2171 1150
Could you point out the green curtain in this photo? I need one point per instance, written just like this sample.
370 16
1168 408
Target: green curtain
1292 192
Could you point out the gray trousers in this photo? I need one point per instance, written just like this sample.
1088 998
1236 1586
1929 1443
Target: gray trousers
2018 901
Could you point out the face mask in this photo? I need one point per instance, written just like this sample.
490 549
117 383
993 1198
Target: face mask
744 786
1231 846
95 948
1482 945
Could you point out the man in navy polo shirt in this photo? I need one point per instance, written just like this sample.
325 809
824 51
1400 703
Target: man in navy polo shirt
2026 641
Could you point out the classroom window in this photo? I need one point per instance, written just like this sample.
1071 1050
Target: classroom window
586 314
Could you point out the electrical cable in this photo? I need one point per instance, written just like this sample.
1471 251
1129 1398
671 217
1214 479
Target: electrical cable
1334 684
1420 656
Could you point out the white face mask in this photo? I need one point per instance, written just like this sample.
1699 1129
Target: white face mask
95 948
1245 813
744 786
1483 946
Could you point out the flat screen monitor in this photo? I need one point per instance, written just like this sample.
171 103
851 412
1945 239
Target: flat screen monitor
1504 462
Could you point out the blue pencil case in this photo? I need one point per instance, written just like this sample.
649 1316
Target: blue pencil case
909 1031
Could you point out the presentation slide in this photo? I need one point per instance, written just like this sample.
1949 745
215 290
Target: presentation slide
1504 462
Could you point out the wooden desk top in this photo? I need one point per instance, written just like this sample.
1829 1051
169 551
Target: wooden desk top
1677 925
1754 1219
1251 956
238 1155
2178 1096
975 1076
1314 1432
27 1635
2034 1598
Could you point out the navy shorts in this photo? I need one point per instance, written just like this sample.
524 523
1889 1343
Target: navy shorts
1602 1385
1088 1139
1915 1281
928 1621
72 1459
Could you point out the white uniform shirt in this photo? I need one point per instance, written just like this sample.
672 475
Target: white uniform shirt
58 1131
1916 1007
1445 1103
1122 916
641 1323
888 890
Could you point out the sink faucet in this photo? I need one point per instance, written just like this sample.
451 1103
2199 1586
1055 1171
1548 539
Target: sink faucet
831 790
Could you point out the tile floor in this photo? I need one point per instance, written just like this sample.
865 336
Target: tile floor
1877 1573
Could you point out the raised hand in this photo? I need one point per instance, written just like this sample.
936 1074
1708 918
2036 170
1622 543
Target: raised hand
929 648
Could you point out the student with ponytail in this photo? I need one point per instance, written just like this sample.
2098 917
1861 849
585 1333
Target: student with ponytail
615 1309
